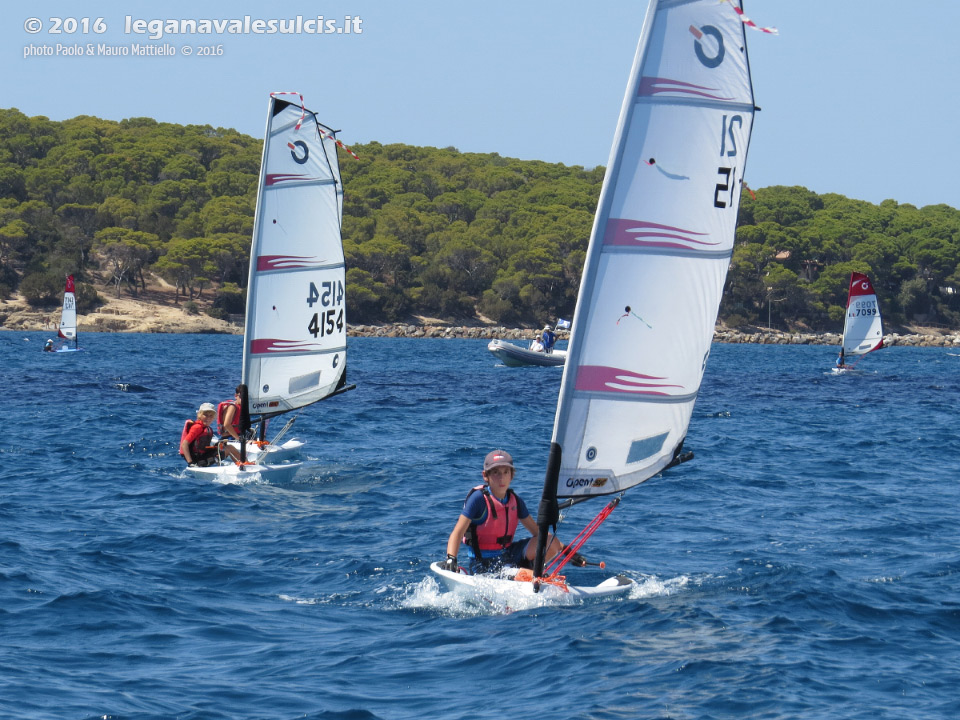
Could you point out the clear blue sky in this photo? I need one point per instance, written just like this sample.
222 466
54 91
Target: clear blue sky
858 97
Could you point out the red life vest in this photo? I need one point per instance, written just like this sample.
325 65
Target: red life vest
496 532
222 413
198 446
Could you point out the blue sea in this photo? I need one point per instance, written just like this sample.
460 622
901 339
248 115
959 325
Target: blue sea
806 563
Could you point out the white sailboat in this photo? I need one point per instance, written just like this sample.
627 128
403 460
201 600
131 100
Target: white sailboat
295 337
658 255
68 319
862 325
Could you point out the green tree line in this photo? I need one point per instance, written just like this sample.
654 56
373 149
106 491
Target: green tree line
426 231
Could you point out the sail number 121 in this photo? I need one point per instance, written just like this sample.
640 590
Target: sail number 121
723 195
330 296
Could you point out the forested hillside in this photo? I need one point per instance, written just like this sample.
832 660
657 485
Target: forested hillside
426 231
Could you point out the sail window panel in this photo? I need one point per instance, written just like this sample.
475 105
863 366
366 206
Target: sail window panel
647 447
303 383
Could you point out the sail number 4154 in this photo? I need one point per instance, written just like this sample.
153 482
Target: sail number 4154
330 296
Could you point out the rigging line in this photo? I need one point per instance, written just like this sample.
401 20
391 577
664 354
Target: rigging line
564 556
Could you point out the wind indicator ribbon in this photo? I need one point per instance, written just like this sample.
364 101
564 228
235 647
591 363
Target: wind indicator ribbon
750 23
342 146
303 114
303 109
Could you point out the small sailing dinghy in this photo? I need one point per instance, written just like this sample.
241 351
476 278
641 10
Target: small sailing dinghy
68 319
295 336
862 325
658 255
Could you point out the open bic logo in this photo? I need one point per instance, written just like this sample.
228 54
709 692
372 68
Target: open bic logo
710 56
296 148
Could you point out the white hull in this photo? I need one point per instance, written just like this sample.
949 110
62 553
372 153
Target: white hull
515 356
232 473
483 585
271 454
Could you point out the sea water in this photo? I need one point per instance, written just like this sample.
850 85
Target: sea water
806 563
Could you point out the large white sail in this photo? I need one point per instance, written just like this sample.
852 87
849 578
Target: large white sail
295 339
68 315
659 251
862 327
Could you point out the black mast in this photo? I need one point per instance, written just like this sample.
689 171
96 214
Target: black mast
548 514
244 421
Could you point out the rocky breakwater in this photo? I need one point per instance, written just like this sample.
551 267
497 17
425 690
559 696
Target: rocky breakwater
930 338
486 332
760 336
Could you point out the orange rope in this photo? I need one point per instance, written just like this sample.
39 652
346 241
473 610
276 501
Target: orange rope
560 581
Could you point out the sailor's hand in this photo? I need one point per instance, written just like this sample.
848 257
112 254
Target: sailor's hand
578 560
450 564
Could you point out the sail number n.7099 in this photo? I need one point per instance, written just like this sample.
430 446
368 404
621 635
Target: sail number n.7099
328 320
863 308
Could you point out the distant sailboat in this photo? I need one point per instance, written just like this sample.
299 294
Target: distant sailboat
68 318
656 263
295 337
862 325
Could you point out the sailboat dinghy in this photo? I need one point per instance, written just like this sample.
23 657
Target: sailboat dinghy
67 329
295 335
862 324
657 259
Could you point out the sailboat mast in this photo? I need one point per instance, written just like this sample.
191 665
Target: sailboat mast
548 514
244 421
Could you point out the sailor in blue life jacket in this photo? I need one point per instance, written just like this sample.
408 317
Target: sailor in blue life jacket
489 519
548 339
840 361
48 346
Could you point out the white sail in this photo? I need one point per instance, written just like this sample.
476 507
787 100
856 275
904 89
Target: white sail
295 339
68 315
862 327
659 250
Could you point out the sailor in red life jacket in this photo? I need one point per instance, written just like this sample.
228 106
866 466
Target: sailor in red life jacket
196 440
489 519
228 416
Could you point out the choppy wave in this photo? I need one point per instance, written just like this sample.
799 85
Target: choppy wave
803 565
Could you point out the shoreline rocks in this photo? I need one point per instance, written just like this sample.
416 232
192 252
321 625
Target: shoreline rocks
721 335
142 317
